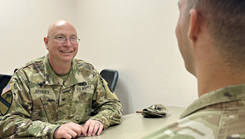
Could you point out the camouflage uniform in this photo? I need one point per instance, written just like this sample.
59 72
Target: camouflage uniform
42 101
216 115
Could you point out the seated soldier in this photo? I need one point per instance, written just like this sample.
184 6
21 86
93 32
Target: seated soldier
53 95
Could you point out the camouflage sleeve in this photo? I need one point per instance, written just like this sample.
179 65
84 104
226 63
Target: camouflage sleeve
16 121
173 131
187 128
108 108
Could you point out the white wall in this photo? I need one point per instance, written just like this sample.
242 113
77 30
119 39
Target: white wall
135 37
23 24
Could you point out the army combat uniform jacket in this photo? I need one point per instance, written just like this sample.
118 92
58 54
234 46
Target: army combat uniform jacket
216 115
41 101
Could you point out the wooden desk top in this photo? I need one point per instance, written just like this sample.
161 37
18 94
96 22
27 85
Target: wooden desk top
135 126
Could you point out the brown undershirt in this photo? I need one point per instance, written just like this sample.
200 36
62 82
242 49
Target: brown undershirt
63 76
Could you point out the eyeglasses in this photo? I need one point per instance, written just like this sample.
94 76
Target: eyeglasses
63 39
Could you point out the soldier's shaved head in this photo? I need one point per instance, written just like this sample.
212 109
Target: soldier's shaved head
56 25
226 22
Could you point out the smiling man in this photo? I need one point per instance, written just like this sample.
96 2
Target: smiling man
210 36
53 95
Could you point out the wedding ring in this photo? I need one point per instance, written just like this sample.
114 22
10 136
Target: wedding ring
97 123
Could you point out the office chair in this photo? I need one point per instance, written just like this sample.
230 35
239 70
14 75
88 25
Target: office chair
111 76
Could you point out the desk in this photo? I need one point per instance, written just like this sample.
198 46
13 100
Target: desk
135 126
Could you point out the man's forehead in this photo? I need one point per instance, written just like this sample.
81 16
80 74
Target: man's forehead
62 34
59 31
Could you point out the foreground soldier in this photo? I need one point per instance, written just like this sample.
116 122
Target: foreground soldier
211 40
51 96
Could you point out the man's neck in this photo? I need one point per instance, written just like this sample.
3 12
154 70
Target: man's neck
211 79
60 68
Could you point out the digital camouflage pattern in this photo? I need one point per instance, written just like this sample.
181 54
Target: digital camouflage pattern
42 101
155 110
216 115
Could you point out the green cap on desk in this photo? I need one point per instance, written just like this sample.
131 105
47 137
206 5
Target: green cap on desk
154 111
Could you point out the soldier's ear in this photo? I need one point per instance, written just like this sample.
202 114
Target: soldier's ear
45 39
196 24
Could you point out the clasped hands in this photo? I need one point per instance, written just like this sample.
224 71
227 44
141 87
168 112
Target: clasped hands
72 130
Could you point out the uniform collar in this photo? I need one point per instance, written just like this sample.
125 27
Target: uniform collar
53 79
75 75
230 93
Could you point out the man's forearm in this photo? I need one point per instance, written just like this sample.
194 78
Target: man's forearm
109 114
16 126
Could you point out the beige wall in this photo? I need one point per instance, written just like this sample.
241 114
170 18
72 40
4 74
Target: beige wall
135 37
24 24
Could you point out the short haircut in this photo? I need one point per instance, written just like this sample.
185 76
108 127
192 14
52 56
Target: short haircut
226 22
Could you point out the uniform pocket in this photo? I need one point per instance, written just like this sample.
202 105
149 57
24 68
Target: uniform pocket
44 110
82 102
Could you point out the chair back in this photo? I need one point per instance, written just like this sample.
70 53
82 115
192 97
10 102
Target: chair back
111 76
4 79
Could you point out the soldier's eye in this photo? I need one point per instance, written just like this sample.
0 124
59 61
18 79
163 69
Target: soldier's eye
73 38
60 37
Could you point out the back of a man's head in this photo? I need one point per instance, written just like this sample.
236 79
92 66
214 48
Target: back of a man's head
226 22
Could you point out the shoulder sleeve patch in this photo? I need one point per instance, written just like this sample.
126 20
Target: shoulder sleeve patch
6 100
6 89
109 92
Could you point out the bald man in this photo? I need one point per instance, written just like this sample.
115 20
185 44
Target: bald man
53 95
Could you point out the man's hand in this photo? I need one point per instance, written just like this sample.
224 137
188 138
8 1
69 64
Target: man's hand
92 127
69 130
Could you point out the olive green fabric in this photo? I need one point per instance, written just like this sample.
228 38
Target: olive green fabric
63 76
42 101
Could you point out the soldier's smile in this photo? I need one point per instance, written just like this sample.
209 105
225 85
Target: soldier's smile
66 51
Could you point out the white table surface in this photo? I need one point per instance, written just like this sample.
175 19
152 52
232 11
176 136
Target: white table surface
135 126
